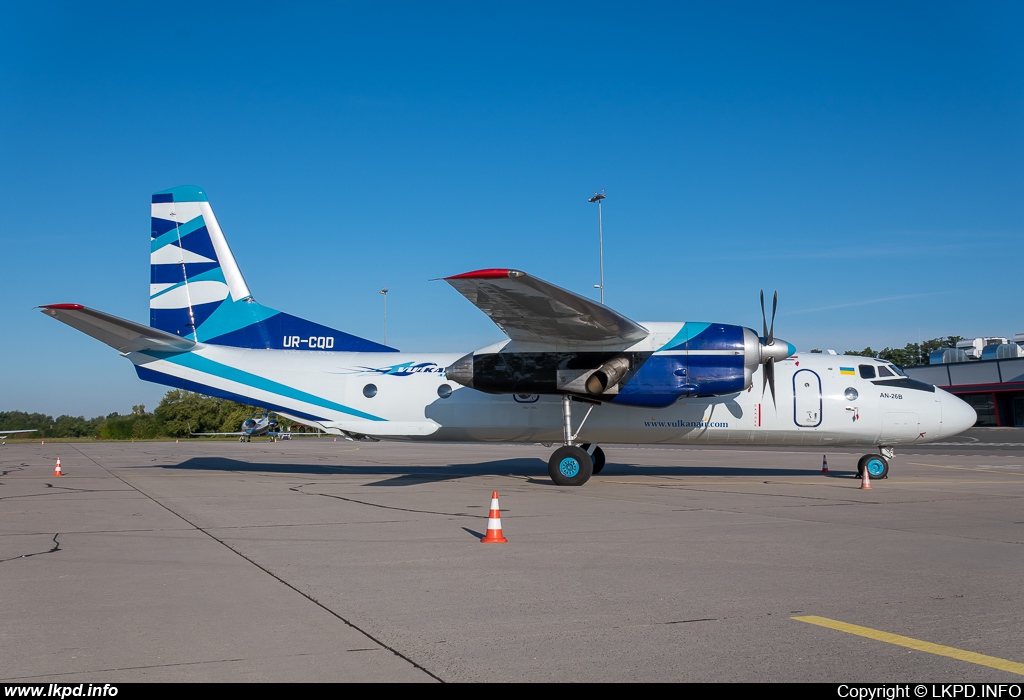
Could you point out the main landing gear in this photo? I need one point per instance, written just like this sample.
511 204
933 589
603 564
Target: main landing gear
572 465
877 465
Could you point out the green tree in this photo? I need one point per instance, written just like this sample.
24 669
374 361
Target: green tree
181 412
912 354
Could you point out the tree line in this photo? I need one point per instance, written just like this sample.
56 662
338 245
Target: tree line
909 356
179 413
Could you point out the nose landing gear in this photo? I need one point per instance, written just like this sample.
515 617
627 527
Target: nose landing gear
877 465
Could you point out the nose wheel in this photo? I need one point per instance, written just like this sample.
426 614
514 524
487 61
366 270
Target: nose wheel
877 466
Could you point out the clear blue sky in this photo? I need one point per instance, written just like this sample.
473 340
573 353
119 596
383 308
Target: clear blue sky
866 159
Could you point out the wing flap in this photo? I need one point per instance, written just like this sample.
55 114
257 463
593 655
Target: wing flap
121 334
529 309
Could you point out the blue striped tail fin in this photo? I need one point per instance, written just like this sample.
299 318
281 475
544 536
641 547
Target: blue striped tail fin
197 291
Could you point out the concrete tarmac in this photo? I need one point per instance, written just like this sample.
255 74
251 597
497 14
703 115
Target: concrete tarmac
315 560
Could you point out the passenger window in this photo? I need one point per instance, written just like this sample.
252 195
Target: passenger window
867 371
884 372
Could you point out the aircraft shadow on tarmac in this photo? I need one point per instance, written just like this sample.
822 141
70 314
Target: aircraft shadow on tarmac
534 470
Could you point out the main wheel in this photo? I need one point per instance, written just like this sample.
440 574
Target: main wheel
877 466
596 456
570 466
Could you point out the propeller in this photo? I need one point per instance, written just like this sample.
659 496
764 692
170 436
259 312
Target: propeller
768 350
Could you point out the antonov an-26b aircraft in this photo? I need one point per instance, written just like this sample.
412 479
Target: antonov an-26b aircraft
572 371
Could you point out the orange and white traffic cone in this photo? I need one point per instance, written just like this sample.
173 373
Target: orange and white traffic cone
865 482
824 465
56 470
494 522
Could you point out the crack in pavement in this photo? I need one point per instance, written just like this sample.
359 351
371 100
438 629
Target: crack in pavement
296 489
13 469
55 548
59 489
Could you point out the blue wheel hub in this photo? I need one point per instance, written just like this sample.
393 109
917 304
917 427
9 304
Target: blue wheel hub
569 467
875 467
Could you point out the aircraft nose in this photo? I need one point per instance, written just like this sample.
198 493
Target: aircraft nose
957 414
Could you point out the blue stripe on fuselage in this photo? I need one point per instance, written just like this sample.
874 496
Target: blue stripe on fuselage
151 375
201 364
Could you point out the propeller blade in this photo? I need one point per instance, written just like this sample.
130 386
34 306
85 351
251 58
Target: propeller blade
764 320
768 339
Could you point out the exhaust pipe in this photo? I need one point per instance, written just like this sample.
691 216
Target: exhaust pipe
607 375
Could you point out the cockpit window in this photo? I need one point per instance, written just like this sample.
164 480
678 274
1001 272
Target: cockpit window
867 371
897 370
883 371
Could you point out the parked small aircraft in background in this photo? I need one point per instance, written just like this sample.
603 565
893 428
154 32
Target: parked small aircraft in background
660 382
255 426
4 434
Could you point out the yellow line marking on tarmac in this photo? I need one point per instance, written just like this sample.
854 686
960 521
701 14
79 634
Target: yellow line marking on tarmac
967 469
916 644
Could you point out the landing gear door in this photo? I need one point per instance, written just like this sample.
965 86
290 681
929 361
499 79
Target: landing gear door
806 398
902 426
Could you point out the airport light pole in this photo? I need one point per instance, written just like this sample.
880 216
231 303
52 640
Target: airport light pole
600 238
384 291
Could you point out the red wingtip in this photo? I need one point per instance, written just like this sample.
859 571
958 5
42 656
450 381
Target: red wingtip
62 306
492 273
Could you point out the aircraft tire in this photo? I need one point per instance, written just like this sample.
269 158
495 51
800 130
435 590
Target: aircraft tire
596 456
570 465
877 466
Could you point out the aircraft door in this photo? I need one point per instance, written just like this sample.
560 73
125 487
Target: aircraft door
806 398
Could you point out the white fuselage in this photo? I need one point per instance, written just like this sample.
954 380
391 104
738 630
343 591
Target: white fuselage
407 396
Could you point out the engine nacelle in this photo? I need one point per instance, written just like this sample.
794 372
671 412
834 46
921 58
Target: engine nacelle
704 359
593 373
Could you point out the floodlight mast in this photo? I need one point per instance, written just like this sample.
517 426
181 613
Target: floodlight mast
600 237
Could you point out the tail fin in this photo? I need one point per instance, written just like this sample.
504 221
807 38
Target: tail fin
197 291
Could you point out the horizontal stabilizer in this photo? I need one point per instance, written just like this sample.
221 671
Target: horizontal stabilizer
120 334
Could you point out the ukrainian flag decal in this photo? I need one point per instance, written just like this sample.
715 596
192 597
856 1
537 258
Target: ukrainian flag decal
846 370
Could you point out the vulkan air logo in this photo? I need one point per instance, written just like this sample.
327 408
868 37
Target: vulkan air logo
402 370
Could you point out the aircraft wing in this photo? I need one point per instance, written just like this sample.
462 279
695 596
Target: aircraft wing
531 310
207 434
122 335
5 433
